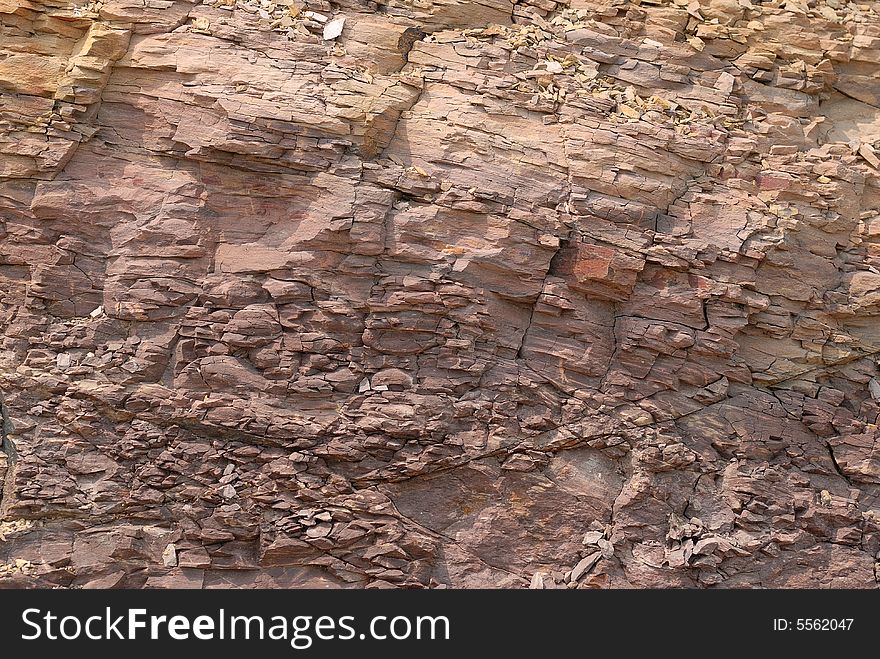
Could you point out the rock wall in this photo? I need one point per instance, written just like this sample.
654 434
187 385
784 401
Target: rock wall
440 293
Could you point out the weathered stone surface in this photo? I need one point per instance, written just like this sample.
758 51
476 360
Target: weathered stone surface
553 294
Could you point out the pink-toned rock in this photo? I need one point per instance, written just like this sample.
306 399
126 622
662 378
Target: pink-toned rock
560 294
604 272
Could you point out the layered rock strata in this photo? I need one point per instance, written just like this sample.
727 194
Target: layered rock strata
439 293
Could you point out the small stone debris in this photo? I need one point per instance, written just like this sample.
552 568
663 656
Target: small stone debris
554 67
585 565
201 25
629 112
315 16
606 547
867 152
874 388
538 581
17 566
169 556
14 527
593 537
681 527
321 530
131 366
334 28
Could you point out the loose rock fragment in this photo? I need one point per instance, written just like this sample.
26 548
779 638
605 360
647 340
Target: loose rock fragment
169 556
585 565
334 28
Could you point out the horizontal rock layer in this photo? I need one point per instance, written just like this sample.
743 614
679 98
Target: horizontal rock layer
449 293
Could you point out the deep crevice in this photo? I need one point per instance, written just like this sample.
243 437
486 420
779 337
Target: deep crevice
836 465
7 447
553 267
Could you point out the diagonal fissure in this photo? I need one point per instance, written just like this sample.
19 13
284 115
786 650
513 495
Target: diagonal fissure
7 448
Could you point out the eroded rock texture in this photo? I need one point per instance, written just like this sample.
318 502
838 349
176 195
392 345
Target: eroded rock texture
471 294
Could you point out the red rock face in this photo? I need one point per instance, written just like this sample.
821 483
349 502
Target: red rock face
602 272
555 294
